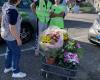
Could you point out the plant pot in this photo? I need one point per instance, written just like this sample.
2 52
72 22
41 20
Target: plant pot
50 60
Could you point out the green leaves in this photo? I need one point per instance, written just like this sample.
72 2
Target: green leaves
71 46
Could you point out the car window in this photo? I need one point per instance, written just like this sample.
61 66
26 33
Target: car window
24 4
2 2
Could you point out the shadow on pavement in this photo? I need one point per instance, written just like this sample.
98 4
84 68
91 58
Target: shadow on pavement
76 24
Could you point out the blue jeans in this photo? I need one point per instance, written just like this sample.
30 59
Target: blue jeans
13 56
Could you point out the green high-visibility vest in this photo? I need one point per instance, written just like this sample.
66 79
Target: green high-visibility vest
42 11
49 6
57 21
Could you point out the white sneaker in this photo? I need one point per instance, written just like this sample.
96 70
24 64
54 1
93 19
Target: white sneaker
19 75
36 52
7 70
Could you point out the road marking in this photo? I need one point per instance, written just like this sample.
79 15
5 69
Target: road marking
80 19
80 37
24 50
83 33
3 54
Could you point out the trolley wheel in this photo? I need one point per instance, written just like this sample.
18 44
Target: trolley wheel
43 75
65 78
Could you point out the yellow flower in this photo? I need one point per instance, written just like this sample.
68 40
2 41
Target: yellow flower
65 36
45 39
48 39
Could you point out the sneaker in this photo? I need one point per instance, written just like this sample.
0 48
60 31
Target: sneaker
36 52
19 75
6 70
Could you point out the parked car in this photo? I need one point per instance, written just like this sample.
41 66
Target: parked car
94 32
28 24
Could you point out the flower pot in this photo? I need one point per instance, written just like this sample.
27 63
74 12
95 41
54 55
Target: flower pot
50 60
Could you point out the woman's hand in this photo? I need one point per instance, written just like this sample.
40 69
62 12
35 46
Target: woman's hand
19 42
52 14
15 34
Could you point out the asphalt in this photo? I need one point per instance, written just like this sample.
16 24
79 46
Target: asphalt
81 17
89 68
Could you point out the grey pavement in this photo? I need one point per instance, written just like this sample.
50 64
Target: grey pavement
29 64
89 64
81 17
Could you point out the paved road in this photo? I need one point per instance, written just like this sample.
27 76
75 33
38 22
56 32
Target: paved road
81 17
90 62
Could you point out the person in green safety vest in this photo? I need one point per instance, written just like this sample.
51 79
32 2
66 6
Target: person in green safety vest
57 15
41 9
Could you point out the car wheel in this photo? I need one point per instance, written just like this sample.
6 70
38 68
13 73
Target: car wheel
26 32
93 42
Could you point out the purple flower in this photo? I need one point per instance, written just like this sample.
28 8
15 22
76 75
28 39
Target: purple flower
78 45
72 57
65 59
65 54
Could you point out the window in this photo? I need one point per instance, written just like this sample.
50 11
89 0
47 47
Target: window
2 2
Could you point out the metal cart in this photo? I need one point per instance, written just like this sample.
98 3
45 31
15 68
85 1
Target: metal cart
64 73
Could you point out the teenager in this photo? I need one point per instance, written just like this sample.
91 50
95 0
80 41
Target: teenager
57 15
10 32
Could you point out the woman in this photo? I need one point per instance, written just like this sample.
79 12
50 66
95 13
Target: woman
40 9
10 32
57 14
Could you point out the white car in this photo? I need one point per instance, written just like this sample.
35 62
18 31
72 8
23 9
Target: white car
94 32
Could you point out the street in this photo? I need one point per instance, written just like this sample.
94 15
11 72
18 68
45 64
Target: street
78 30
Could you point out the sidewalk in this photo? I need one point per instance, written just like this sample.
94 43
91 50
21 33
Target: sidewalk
81 17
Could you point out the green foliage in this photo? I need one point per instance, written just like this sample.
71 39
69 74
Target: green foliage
86 4
23 14
87 9
71 46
